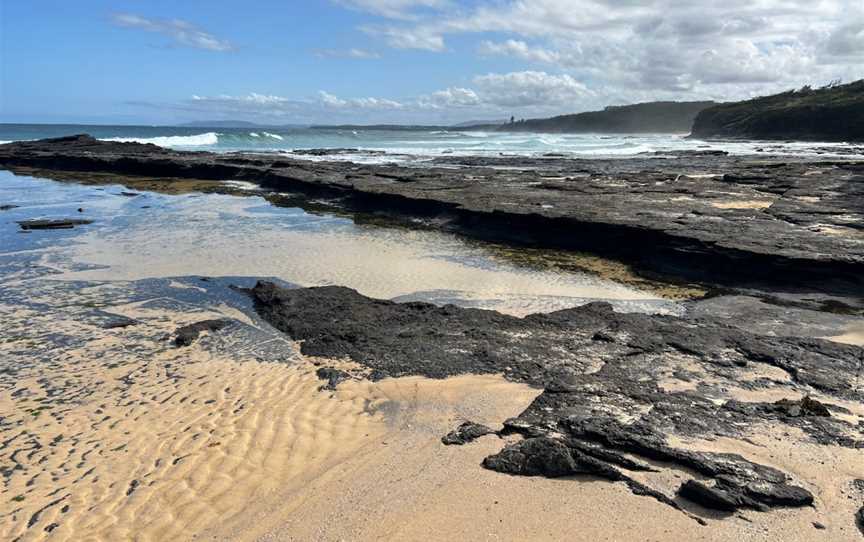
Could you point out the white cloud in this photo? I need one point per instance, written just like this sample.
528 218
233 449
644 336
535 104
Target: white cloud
408 38
394 9
329 100
521 50
450 98
531 88
847 41
182 32
362 54
660 48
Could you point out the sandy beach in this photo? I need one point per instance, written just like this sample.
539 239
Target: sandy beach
124 436
113 428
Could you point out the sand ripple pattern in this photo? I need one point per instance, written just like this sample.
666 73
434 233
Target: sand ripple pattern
124 437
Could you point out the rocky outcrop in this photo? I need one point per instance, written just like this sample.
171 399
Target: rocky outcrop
615 386
834 113
725 221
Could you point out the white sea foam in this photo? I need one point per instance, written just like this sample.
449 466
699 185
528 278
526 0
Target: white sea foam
253 134
274 136
197 140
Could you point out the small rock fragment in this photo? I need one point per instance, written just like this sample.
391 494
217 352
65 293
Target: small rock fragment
333 377
804 407
52 224
540 456
187 335
465 433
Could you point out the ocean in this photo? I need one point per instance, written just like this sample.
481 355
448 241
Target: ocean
373 146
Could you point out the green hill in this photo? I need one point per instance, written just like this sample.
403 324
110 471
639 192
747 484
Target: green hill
651 117
833 113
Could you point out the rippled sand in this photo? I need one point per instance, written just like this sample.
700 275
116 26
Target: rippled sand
124 437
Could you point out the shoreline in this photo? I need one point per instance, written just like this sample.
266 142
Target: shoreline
690 218
686 418
368 453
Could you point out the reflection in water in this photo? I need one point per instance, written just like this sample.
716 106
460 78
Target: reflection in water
155 235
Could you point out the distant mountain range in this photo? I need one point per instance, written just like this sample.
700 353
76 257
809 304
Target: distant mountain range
832 113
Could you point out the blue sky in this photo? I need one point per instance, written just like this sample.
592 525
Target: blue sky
406 60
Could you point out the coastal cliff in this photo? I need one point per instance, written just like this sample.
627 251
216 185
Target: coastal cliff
834 113
651 117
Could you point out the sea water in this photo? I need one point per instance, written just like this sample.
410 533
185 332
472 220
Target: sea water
370 146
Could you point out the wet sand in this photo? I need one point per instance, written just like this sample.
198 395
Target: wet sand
853 335
154 235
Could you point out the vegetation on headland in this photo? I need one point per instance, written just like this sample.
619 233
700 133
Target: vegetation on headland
650 117
831 113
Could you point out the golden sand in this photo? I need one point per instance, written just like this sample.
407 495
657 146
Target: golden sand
171 442
853 335
744 204
123 438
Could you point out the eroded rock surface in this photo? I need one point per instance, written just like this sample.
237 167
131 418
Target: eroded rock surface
616 386
705 216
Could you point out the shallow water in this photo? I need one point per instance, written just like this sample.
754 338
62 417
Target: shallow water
156 235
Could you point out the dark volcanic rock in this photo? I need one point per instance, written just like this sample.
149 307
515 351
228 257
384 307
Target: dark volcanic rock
186 335
802 407
53 224
534 457
709 497
116 321
465 433
604 404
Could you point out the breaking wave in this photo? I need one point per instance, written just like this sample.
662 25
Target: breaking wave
197 140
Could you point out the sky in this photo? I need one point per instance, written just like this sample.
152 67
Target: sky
406 61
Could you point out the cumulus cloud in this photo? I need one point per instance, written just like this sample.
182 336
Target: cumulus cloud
521 50
450 98
662 48
530 88
180 31
330 100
